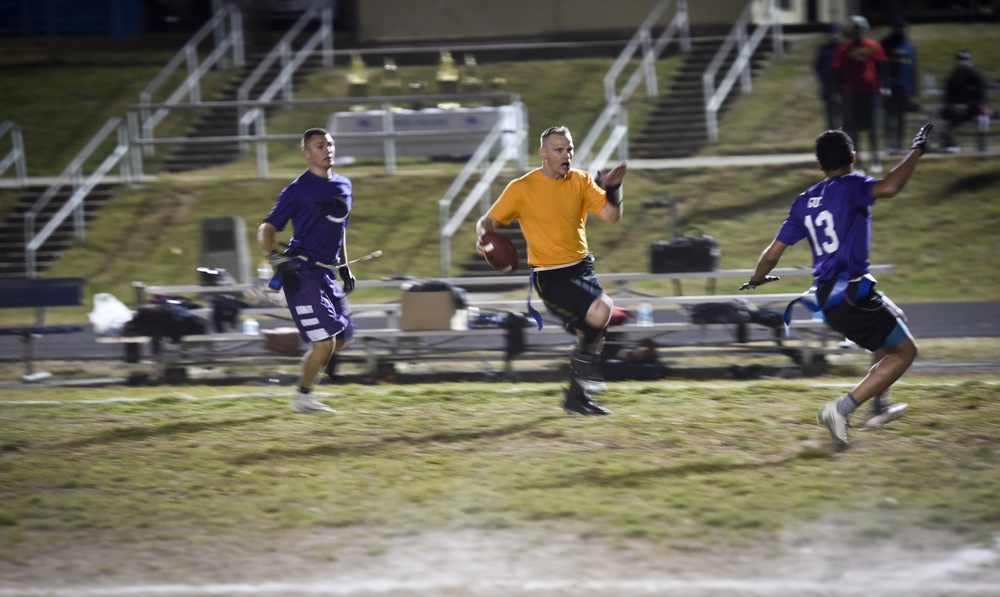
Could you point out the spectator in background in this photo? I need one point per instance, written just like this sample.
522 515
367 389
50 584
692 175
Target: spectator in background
901 56
965 101
860 63
829 82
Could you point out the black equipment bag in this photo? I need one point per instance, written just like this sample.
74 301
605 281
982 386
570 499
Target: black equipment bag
685 254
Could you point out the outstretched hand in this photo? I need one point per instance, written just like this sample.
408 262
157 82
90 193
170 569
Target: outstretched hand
615 176
751 284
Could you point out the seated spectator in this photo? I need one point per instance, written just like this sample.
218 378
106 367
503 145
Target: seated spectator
964 101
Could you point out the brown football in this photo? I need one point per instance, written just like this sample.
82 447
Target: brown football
501 253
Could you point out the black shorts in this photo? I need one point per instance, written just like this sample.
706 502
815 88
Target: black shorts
866 321
569 291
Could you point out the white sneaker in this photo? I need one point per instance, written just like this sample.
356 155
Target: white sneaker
304 404
835 423
889 413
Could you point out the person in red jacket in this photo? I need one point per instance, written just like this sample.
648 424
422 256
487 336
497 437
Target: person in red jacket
861 64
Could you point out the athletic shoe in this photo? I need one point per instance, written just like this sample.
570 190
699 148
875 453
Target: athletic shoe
582 404
835 423
884 410
304 404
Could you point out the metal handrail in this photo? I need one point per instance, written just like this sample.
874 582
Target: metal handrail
679 26
230 43
746 46
139 140
14 157
281 49
283 81
515 149
73 176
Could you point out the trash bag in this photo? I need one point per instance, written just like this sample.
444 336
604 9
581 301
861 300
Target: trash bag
109 315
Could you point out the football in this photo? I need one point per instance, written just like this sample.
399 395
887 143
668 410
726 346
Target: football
501 253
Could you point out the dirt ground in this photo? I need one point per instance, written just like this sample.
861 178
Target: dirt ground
805 562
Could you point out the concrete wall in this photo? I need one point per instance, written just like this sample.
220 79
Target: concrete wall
401 21
421 21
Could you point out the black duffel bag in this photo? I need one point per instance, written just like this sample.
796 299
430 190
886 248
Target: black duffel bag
685 254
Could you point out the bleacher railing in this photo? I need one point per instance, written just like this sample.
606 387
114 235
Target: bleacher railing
291 60
14 157
513 148
648 50
744 45
261 138
38 228
226 29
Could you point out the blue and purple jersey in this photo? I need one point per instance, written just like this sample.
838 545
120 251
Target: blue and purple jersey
835 215
318 209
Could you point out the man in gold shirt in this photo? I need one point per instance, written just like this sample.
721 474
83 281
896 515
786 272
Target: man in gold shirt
551 204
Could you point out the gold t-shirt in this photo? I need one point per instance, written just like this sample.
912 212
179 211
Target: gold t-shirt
552 214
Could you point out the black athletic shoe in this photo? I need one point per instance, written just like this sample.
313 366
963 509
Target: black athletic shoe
582 404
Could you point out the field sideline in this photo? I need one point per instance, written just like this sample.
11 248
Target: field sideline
692 488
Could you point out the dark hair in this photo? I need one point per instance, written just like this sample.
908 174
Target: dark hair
834 150
312 133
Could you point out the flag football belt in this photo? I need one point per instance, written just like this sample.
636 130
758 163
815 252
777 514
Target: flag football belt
865 284
275 283
531 285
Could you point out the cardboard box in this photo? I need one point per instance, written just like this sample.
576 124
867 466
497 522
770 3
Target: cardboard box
431 310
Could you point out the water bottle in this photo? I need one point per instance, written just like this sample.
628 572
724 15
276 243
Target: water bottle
251 327
644 316
265 271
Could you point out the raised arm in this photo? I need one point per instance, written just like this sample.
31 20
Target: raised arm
896 179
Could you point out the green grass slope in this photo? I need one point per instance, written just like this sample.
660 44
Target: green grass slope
940 232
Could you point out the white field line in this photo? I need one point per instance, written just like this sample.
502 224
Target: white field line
548 588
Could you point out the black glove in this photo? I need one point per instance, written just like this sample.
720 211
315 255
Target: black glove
347 278
920 139
751 284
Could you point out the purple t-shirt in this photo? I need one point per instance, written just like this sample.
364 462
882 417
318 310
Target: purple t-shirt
318 209
835 215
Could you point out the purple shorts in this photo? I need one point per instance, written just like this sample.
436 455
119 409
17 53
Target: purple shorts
319 306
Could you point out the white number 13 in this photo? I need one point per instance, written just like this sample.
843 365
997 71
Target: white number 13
824 225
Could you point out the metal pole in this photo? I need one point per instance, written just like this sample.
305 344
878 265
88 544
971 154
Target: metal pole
261 146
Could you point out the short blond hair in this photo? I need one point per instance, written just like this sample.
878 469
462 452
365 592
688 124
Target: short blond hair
553 130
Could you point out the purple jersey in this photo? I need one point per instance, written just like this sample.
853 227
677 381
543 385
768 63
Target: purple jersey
835 215
318 209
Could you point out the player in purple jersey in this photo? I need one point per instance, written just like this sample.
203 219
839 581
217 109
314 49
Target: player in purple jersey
835 217
318 204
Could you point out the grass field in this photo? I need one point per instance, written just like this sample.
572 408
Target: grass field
948 198
456 489
682 468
